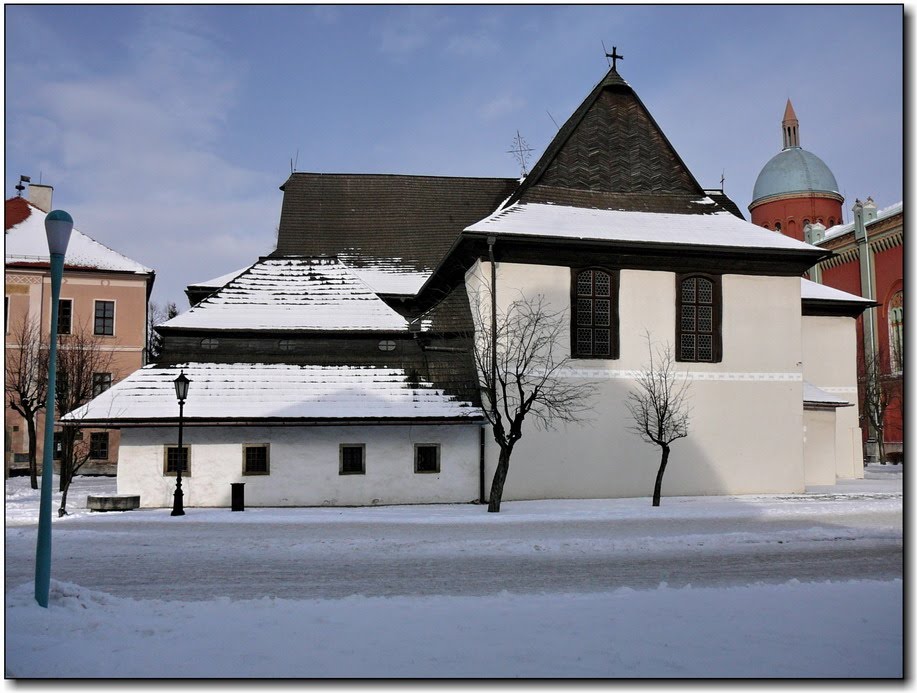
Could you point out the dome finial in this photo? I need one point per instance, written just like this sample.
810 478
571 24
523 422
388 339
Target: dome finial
790 127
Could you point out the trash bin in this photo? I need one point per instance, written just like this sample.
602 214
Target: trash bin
238 496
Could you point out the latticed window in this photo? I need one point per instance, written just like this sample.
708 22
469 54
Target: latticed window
98 445
896 332
353 459
176 456
698 319
595 314
255 460
426 459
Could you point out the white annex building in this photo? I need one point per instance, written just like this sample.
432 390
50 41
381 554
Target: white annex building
338 370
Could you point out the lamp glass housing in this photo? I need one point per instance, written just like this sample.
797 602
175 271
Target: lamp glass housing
181 386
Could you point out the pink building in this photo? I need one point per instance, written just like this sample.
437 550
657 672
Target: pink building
104 294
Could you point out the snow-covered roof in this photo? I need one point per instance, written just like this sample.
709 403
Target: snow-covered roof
27 242
841 229
387 276
222 280
720 229
249 391
293 293
817 396
820 292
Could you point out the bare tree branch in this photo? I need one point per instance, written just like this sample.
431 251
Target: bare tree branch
659 404
528 375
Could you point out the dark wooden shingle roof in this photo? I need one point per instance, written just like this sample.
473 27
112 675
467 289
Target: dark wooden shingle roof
611 154
370 217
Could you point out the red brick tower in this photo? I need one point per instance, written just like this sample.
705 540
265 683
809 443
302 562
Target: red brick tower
795 188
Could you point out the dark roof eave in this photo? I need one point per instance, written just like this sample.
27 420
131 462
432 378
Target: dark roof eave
799 260
828 307
274 331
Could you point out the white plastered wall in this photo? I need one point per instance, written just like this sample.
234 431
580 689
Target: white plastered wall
304 465
829 347
819 446
747 417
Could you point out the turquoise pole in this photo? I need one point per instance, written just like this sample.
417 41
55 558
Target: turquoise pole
43 553
58 225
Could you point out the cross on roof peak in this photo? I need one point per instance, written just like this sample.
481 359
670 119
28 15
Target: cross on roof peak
615 57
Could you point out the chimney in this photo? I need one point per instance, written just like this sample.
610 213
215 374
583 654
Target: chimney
814 233
869 210
40 196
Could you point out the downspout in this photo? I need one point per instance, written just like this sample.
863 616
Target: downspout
491 240
481 498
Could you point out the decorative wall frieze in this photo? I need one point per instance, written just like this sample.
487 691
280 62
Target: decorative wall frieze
603 374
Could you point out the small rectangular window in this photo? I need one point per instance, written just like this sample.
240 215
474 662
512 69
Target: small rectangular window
100 383
64 316
98 445
58 444
105 318
426 459
255 459
175 456
353 459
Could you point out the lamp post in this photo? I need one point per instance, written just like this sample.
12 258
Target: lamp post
181 392
58 225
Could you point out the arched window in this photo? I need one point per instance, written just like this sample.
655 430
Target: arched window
699 310
830 222
777 227
805 222
766 227
595 314
896 332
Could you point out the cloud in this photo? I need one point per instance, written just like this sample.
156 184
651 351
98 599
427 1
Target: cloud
501 106
407 30
148 131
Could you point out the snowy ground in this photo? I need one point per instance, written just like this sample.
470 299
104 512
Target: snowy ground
755 586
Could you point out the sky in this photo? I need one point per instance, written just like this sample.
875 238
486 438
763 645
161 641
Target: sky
167 131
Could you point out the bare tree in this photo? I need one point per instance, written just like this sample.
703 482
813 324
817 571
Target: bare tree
80 357
156 315
519 367
880 391
26 383
659 405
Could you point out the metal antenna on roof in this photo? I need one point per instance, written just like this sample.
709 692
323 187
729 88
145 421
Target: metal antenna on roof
297 159
722 179
521 151
552 119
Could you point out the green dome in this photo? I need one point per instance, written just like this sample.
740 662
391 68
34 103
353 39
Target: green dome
794 170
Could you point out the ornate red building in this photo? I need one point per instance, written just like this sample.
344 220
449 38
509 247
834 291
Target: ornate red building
797 195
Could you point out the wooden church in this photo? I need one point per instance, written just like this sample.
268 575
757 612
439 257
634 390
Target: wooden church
338 370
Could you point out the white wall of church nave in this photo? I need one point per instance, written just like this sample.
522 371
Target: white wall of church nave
304 465
760 323
747 429
745 437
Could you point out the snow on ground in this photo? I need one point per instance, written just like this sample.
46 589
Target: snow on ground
823 628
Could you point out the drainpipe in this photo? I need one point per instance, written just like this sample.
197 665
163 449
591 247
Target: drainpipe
491 240
482 499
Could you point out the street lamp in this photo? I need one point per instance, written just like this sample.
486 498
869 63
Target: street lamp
181 392
58 225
